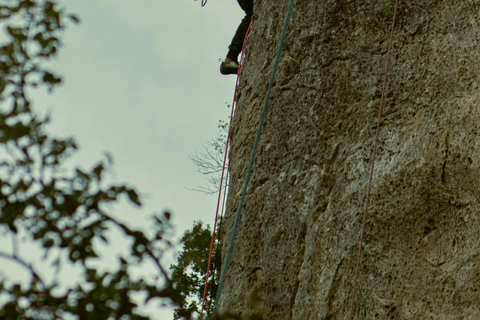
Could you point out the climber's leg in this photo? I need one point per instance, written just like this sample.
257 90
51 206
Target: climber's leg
237 42
230 65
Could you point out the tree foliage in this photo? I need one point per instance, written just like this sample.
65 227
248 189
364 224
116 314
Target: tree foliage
62 213
189 272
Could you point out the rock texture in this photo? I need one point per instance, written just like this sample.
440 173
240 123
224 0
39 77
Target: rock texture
298 235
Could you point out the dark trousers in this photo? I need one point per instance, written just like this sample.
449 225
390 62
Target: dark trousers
237 42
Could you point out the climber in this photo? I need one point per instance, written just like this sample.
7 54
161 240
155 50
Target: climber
230 64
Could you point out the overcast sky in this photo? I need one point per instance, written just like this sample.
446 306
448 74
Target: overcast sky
141 82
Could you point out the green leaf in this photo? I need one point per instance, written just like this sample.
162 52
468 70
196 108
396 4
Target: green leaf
51 78
133 196
98 170
167 215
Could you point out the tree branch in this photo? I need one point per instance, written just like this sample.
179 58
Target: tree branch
147 250
23 263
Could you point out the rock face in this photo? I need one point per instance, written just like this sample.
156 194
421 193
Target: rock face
297 240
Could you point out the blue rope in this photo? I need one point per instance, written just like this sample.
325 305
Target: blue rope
237 217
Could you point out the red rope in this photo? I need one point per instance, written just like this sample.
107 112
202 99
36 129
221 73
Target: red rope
223 171
373 161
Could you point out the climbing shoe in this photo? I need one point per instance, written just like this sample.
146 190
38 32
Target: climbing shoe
229 68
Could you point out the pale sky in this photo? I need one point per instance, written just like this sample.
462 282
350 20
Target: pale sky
141 81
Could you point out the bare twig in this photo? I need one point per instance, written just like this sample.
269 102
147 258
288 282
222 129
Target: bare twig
209 162
15 245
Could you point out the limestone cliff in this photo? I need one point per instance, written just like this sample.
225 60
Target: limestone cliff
298 235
